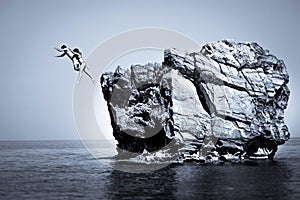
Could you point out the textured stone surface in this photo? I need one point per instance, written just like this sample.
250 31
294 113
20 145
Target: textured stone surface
225 102
139 103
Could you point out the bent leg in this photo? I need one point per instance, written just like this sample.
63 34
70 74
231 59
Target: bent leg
80 74
87 72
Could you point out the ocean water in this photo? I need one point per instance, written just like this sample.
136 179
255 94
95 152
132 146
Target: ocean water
65 170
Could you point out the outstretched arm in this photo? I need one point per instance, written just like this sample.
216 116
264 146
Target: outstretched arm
61 55
60 50
57 49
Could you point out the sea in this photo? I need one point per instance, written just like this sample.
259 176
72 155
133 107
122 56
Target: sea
66 170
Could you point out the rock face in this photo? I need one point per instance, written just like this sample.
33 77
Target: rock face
225 102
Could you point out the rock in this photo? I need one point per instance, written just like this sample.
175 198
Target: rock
224 103
139 101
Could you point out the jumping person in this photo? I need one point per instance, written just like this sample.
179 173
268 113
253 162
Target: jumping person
78 63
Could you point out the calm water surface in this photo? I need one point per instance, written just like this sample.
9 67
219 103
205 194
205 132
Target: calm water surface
65 170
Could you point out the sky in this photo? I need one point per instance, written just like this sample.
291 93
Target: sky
37 89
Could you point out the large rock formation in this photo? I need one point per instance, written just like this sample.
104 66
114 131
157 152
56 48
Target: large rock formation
225 102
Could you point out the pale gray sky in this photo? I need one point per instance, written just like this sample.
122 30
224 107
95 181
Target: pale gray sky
36 88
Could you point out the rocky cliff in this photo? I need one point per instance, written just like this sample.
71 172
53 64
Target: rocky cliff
225 102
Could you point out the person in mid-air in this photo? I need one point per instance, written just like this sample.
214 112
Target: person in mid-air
78 63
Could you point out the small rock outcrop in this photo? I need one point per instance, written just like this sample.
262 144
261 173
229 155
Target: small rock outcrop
224 103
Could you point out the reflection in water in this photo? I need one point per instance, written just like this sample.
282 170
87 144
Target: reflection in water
258 179
255 179
156 185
